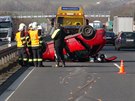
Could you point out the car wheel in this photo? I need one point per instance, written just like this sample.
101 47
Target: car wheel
88 32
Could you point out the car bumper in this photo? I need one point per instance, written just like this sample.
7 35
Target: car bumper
110 42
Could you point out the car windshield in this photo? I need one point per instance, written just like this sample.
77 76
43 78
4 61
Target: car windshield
5 24
128 35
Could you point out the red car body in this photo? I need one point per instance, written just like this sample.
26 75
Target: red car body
78 43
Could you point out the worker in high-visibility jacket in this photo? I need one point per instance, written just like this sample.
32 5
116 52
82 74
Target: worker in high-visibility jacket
42 43
21 45
35 45
28 42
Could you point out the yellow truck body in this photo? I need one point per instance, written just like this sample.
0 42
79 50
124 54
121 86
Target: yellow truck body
70 16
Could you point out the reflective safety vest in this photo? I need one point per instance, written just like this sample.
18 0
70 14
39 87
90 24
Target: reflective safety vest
19 39
55 33
34 38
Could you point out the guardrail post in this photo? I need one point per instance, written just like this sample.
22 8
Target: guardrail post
8 58
8 54
0 62
4 59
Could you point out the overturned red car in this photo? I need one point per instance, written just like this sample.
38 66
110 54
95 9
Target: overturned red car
80 46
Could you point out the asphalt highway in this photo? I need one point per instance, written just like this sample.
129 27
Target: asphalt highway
78 81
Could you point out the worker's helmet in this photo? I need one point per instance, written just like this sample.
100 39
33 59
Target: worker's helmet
30 26
21 27
34 25
39 27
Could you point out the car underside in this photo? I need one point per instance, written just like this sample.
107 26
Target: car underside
80 46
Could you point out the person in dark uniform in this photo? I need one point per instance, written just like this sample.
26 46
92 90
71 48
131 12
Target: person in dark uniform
59 45
41 44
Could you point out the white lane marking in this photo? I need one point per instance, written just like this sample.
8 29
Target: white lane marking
116 65
20 84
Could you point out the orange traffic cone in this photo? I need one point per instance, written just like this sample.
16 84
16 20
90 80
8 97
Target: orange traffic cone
122 68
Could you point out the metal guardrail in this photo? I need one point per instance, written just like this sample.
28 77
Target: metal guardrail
34 16
8 54
51 16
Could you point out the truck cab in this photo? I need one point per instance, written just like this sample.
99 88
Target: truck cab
6 28
71 18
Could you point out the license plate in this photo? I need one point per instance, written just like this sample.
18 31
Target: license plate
129 40
108 37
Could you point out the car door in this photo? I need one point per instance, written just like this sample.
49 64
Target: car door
130 39
123 39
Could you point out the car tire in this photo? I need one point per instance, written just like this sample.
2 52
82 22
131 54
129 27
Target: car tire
88 32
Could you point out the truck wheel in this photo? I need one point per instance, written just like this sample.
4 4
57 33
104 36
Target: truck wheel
88 32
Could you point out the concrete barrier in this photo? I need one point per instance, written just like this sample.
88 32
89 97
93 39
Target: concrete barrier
8 54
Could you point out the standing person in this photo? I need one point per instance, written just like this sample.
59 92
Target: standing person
28 41
21 45
59 45
41 43
35 45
